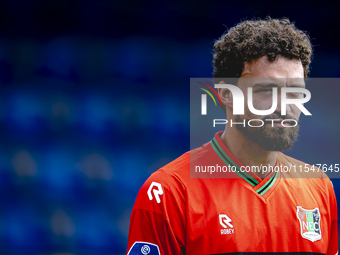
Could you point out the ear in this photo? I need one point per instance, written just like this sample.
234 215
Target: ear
226 96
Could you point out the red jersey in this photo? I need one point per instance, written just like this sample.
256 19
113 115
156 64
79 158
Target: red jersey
176 214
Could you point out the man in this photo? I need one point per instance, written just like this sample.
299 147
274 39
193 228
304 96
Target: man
262 212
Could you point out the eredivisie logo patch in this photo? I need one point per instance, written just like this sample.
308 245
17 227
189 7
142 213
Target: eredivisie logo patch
309 223
144 248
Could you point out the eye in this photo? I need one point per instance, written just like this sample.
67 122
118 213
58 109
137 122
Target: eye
266 91
295 95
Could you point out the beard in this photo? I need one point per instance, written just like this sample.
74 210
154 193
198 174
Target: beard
270 138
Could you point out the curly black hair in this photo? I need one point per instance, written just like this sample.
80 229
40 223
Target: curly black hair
255 38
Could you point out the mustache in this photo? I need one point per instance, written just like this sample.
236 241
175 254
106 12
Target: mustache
276 115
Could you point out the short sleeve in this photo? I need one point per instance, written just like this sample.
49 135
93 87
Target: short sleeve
158 218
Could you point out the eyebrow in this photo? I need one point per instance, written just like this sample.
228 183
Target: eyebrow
271 85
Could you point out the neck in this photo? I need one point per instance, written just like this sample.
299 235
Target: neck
248 152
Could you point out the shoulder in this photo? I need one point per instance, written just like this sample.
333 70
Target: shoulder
170 182
177 172
159 213
300 169
310 175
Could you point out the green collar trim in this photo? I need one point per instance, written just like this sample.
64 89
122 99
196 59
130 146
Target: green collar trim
227 160
268 185
242 173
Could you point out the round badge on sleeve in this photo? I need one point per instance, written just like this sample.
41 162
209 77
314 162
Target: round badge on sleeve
144 248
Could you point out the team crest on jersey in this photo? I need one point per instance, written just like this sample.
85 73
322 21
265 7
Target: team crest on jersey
144 248
309 223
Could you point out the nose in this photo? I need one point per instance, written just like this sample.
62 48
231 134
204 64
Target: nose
278 106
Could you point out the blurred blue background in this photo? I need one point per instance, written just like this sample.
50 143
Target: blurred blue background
95 97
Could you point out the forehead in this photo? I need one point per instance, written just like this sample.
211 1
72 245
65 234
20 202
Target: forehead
281 67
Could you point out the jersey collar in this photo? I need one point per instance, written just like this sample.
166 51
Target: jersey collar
260 186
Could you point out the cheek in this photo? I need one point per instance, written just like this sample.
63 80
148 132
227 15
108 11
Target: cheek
261 103
295 111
